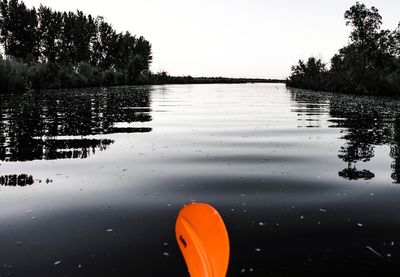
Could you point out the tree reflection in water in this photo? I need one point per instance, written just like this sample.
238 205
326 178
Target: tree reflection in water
309 108
16 180
395 150
366 122
366 125
56 124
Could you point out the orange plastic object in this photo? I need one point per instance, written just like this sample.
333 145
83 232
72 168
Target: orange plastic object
203 240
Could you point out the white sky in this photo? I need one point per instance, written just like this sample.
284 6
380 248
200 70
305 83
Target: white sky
233 38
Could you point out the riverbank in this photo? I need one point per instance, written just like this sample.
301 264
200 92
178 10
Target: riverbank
19 77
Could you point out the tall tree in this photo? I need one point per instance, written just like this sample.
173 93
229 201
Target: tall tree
366 25
397 41
84 36
143 48
365 22
50 24
105 46
19 30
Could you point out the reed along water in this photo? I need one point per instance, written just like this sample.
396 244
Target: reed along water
91 180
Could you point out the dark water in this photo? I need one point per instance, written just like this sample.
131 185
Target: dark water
91 180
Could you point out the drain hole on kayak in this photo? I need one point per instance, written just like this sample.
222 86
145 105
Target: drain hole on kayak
182 240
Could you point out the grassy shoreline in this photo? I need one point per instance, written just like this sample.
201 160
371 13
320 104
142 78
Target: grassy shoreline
20 77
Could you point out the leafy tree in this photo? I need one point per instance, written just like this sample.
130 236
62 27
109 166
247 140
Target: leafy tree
84 36
396 36
18 30
126 50
50 25
143 48
308 75
365 41
105 46
365 22
67 51
368 64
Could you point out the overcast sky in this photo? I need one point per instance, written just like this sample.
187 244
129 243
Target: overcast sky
233 38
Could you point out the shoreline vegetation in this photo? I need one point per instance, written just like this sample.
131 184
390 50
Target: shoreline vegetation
369 64
46 49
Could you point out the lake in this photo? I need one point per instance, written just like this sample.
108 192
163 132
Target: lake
91 180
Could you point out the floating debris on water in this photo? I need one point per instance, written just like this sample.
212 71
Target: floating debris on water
257 249
109 230
243 270
360 225
374 251
57 262
166 254
322 210
262 223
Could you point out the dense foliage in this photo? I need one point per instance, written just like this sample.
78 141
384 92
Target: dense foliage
369 64
49 49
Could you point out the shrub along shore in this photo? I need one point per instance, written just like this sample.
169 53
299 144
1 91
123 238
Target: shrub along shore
369 64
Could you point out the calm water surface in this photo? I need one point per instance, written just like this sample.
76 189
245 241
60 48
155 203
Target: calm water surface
91 180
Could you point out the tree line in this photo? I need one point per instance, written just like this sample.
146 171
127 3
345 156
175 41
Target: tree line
50 49
369 64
